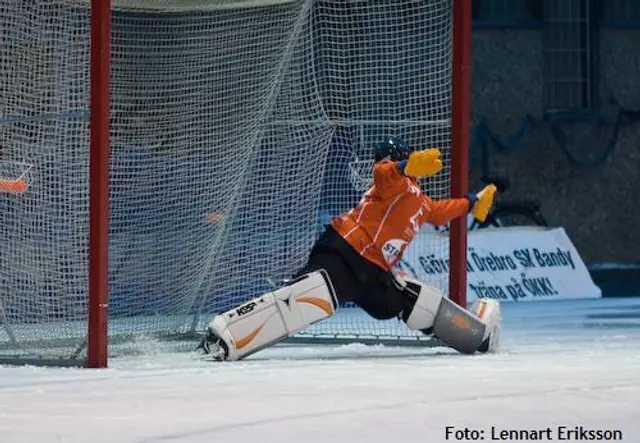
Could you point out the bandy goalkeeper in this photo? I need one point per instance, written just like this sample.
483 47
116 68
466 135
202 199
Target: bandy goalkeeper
353 261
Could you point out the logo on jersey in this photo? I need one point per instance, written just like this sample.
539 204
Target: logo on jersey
392 250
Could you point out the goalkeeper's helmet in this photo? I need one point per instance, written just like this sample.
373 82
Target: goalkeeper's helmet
393 148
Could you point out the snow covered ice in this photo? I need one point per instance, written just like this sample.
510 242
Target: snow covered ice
573 363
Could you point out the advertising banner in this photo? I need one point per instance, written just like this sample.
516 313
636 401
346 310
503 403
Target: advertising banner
507 264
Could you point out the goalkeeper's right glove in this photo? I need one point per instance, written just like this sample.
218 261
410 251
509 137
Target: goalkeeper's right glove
481 202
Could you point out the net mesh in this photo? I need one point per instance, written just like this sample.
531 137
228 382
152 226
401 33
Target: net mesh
234 125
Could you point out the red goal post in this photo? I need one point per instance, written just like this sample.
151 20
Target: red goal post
295 84
99 163
460 130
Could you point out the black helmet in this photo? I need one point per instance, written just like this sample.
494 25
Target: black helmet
392 148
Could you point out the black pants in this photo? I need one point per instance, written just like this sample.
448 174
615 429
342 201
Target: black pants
355 279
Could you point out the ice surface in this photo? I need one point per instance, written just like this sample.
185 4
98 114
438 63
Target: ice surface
562 363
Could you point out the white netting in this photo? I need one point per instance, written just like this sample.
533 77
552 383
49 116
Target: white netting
233 126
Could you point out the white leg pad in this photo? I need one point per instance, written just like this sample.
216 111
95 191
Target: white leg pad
467 331
428 301
488 311
276 315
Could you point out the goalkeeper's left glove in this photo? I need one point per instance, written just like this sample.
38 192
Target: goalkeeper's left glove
423 163
481 202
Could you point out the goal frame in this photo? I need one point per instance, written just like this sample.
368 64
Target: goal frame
99 147
460 116
100 67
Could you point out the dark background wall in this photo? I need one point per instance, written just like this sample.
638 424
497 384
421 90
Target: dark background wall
587 178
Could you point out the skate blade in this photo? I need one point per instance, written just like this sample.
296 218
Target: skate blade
211 350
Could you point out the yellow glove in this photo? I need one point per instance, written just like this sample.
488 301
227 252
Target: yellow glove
423 163
483 204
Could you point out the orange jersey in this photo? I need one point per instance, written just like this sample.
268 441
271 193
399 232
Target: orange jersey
390 214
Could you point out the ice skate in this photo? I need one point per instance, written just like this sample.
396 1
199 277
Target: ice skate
214 346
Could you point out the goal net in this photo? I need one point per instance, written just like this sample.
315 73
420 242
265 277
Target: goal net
237 128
